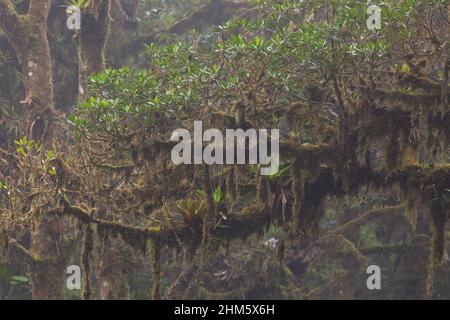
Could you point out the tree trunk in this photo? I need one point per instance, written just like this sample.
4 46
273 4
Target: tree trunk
109 252
28 34
111 279
93 36
47 276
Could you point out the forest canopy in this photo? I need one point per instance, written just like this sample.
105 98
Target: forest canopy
87 179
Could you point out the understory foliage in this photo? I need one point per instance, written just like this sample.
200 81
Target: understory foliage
364 118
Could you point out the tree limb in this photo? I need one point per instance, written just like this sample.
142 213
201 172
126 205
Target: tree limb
9 19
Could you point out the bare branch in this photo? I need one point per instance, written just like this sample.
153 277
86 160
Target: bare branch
211 13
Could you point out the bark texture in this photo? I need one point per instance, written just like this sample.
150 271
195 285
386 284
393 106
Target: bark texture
93 36
28 35
95 26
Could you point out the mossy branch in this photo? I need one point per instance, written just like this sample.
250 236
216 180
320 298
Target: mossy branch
255 218
9 19
388 249
299 150
29 256
368 216
117 228
406 100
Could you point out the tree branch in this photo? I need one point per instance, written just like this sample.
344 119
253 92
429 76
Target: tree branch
211 13
26 253
368 216
9 19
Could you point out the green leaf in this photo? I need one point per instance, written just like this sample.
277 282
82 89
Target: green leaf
258 42
52 171
21 151
405 68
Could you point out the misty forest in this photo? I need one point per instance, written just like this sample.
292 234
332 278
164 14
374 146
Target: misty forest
88 185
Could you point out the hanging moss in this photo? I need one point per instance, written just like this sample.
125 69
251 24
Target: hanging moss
410 192
156 268
312 169
4 243
411 211
262 192
231 184
296 188
136 240
429 284
438 220
86 251
312 211
210 212
392 151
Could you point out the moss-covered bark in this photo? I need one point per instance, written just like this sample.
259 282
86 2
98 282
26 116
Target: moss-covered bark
111 280
92 41
28 35
93 36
